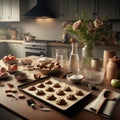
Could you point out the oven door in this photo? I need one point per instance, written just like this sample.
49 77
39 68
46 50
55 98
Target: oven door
36 49
34 53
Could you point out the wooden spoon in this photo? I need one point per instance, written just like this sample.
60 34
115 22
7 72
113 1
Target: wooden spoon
108 95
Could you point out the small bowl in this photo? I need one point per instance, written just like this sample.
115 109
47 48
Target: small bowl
50 72
4 75
26 61
21 76
45 60
74 78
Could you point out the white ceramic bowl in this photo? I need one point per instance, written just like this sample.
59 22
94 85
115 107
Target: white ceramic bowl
45 60
74 78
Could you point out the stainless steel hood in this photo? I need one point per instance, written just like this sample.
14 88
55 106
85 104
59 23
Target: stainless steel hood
40 10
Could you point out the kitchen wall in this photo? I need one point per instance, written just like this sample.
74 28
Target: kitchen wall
44 29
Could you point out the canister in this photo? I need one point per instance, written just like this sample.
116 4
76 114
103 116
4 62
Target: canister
113 69
96 62
106 55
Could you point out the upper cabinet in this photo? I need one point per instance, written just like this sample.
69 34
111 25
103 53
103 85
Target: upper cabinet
26 5
63 9
109 8
87 6
9 10
70 9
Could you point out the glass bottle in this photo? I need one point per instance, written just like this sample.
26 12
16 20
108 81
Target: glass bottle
74 63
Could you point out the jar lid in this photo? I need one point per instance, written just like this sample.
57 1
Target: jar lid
115 59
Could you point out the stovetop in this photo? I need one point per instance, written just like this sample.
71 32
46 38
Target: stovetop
36 41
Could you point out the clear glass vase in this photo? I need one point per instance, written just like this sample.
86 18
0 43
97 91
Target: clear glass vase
74 62
88 53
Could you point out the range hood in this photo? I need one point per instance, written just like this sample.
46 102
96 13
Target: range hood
40 10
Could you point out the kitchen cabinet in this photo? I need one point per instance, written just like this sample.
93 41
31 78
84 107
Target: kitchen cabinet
26 5
2 49
117 9
71 9
68 9
9 10
87 6
15 49
63 9
109 8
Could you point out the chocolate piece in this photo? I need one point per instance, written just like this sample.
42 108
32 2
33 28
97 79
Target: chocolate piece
37 76
8 90
10 85
9 95
14 90
21 96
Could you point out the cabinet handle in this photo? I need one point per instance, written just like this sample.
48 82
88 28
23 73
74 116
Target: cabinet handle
62 8
119 10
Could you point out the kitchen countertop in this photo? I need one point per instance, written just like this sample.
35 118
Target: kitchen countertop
21 108
60 44
12 41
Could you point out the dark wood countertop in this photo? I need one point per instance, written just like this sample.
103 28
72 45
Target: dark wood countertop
60 44
117 46
75 113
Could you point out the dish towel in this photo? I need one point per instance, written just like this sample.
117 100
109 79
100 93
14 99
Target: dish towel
109 106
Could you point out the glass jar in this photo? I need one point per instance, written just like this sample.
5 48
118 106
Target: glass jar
74 62
88 53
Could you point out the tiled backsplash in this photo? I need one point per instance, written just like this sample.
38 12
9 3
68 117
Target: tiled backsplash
42 29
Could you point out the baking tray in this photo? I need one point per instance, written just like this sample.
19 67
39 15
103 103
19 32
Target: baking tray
69 103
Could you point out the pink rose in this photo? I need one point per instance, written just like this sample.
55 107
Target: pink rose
77 24
98 23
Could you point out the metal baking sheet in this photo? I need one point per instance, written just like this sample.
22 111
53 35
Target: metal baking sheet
25 88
